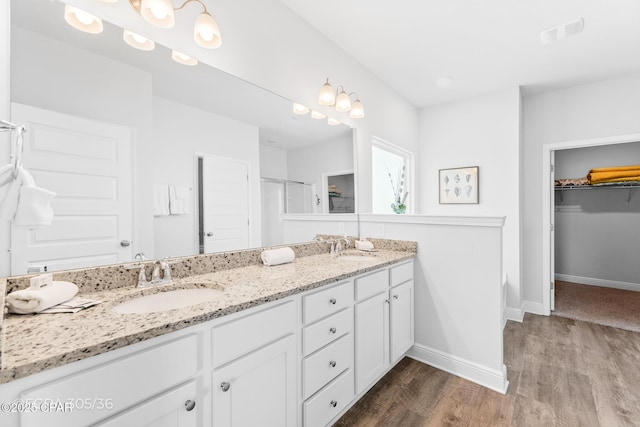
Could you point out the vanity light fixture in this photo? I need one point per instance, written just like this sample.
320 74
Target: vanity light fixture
137 41
81 20
300 109
161 13
340 100
317 115
183 59
333 122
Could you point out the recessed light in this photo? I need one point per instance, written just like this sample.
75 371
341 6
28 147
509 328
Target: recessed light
562 31
444 82
300 109
317 115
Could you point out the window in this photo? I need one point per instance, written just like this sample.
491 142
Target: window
391 178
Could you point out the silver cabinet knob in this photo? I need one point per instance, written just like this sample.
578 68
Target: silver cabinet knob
332 301
225 386
209 234
125 243
333 403
387 301
333 330
190 404
395 297
332 363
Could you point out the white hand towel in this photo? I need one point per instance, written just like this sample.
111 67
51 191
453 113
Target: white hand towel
160 200
10 188
179 199
25 204
278 256
28 301
364 245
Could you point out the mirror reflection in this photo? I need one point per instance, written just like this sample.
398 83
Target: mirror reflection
152 158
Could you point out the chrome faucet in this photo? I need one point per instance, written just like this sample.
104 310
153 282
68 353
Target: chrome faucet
160 275
339 247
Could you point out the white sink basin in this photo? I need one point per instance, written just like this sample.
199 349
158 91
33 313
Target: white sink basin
360 258
164 301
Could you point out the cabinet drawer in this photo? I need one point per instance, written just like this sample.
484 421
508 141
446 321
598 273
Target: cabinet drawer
327 404
372 284
251 332
119 384
326 364
401 273
328 301
323 332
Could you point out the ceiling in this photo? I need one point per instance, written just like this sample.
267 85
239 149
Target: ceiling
202 86
483 45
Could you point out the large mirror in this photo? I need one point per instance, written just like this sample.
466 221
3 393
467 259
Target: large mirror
148 156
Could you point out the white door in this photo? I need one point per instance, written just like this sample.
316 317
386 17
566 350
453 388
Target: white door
225 204
372 339
552 261
401 322
88 164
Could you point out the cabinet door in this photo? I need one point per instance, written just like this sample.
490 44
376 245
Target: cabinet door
258 389
175 408
402 336
372 339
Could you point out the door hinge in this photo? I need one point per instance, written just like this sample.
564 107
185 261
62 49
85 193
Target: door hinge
553 227
551 283
552 168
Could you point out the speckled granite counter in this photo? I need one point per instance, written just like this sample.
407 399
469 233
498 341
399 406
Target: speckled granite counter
34 343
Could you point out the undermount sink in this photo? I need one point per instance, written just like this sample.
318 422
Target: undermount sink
164 301
360 258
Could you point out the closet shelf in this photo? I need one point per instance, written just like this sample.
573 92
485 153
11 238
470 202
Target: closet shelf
630 187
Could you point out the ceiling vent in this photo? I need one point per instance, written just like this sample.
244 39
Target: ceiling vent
561 31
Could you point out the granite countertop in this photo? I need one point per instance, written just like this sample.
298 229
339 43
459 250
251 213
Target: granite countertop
34 343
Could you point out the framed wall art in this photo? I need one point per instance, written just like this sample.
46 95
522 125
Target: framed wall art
459 185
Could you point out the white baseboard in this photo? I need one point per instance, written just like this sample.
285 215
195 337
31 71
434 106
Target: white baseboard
486 377
534 308
515 314
598 282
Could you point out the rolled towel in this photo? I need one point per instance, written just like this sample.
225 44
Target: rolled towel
278 256
364 245
28 301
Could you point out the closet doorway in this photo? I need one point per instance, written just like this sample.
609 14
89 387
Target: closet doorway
575 221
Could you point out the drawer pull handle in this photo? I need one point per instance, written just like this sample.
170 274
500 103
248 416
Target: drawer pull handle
190 404
332 363
333 403
225 386
333 330
332 301
395 297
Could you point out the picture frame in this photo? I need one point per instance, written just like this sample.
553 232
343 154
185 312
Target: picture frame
459 185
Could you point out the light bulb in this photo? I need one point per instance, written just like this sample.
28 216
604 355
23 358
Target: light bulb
206 31
343 103
158 12
357 110
81 20
300 109
326 96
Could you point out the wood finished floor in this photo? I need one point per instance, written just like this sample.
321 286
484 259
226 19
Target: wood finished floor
562 372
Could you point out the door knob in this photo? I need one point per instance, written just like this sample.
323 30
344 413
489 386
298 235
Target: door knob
225 386
333 330
125 243
332 363
209 234
333 403
332 301
189 405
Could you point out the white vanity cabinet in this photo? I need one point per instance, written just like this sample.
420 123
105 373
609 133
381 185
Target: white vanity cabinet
383 321
255 369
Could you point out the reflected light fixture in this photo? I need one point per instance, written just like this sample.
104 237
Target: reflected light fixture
183 59
161 13
81 20
340 100
333 122
317 115
300 109
137 41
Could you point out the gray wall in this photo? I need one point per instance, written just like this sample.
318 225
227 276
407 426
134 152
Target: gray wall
597 230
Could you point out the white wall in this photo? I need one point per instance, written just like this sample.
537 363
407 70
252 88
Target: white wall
485 132
5 110
273 162
595 241
180 131
52 75
600 109
273 47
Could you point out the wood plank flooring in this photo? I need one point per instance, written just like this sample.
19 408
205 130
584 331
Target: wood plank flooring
562 372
